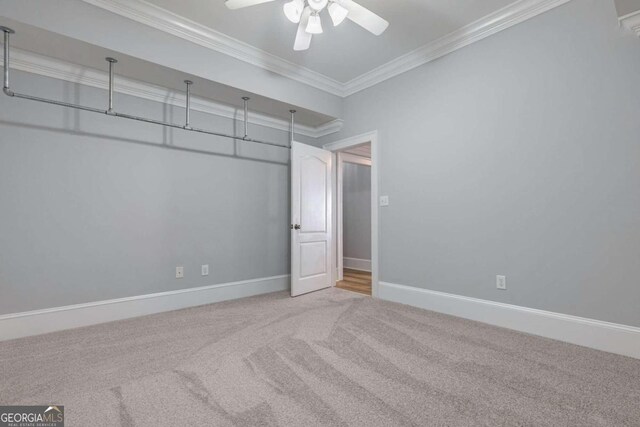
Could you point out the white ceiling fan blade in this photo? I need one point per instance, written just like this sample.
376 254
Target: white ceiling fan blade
239 4
303 39
364 17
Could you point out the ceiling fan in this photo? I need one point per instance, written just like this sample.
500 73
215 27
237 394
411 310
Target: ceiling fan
306 13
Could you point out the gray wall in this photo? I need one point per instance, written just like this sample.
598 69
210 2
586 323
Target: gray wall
356 211
517 155
92 207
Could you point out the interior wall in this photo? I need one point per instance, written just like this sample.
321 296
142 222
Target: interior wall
356 211
94 207
518 155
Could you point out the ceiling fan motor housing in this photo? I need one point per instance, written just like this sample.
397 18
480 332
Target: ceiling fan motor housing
318 5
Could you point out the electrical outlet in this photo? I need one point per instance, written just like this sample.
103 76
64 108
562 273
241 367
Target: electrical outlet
179 272
205 269
501 282
384 200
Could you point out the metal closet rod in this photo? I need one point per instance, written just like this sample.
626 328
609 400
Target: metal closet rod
111 112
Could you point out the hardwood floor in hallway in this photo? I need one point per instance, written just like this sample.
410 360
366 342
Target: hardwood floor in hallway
356 281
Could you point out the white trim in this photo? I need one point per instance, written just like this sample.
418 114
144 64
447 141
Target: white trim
164 20
323 130
179 26
369 137
605 336
344 158
351 141
38 322
631 22
493 23
49 67
357 264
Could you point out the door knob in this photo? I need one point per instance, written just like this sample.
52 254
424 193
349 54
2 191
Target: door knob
297 226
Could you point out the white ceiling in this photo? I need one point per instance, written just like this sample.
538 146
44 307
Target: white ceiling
347 51
627 6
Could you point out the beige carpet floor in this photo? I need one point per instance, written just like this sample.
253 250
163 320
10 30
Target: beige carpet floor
328 358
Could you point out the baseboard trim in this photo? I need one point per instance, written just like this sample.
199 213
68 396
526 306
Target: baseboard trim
605 336
18 325
357 264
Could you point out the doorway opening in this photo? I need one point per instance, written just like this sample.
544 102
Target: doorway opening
365 149
353 225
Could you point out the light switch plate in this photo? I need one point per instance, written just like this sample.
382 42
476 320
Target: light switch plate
179 272
384 200
205 269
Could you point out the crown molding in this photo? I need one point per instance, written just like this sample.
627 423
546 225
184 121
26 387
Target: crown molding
491 24
328 128
169 22
49 67
631 22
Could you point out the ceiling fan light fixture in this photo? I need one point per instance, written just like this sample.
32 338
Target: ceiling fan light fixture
337 13
293 10
315 24
306 13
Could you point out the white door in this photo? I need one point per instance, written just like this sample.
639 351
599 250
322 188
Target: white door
311 219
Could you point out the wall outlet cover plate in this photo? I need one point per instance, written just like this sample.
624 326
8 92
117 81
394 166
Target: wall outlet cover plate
501 282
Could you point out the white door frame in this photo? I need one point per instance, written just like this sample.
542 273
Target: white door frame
342 159
372 138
